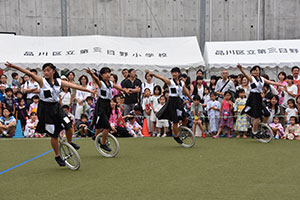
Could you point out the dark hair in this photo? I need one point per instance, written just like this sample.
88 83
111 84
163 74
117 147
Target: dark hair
130 70
297 98
227 92
295 67
115 77
56 75
124 69
213 93
36 97
241 90
35 71
276 105
147 74
65 107
157 87
199 70
290 77
104 70
196 97
282 73
83 116
162 96
147 89
13 75
32 113
8 111
293 101
20 99
70 72
255 68
89 98
81 77
175 69
19 92
266 76
8 90
138 108
199 78
295 118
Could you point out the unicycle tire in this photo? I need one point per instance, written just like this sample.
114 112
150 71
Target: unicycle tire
265 133
187 137
111 142
69 155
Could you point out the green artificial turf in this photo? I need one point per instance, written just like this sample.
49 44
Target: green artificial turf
155 168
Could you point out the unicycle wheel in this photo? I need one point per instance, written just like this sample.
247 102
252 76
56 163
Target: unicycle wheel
69 155
111 142
265 133
187 137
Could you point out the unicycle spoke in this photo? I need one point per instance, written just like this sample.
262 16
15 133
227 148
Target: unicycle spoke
187 137
69 155
111 142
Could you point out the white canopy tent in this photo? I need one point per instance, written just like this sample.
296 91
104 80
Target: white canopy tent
272 55
79 52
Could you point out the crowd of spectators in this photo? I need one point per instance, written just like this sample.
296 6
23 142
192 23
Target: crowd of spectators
216 108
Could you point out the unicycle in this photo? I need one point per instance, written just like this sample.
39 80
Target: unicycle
111 142
69 154
187 137
264 134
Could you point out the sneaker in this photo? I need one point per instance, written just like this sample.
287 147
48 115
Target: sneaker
59 161
76 146
94 137
203 135
215 136
277 137
164 135
229 136
178 140
158 135
105 147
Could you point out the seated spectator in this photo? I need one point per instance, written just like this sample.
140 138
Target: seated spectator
277 128
116 120
197 111
89 109
33 107
8 101
84 127
22 113
66 109
30 127
3 79
138 113
293 130
273 108
134 129
288 92
7 123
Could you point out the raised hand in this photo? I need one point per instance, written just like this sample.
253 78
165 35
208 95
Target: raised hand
88 70
239 66
8 64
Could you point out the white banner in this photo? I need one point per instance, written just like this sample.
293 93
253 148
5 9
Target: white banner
265 53
78 52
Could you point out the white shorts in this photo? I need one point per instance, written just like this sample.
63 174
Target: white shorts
162 123
153 117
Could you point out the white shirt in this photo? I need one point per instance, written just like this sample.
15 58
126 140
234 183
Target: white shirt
50 93
105 92
292 89
148 85
31 85
175 90
66 98
257 85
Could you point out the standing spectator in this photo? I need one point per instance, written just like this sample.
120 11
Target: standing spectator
187 81
290 111
213 109
199 88
148 84
81 97
224 85
71 79
199 73
245 86
134 86
125 75
213 82
7 124
154 101
296 77
289 91
31 125
15 81
65 96
114 79
161 123
282 80
147 109
31 88
226 115
241 124
8 101
3 79
22 113
206 99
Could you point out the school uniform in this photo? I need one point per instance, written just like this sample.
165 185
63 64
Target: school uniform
173 110
103 110
52 118
254 105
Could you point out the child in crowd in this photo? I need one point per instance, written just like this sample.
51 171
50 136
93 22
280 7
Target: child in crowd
206 99
197 111
161 124
147 108
8 101
154 101
7 123
134 129
15 81
19 95
293 130
137 112
226 115
65 96
274 108
30 127
22 113
34 106
241 124
120 102
71 117
213 109
290 111
88 110
277 127
84 127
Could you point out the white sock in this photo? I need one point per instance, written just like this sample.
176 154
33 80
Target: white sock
254 133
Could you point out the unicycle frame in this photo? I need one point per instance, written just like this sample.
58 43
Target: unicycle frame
71 152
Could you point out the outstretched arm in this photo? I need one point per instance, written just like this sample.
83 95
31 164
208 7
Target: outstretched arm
244 73
35 77
94 77
125 90
167 81
74 86
273 83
